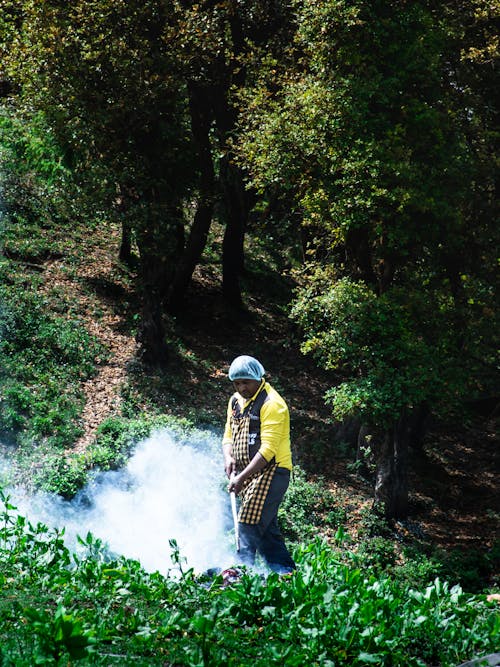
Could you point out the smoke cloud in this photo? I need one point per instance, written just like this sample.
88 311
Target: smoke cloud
169 490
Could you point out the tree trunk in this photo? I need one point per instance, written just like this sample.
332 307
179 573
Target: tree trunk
151 335
160 242
233 254
235 203
125 254
201 120
391 477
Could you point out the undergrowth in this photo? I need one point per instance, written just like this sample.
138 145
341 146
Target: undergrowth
115 441
46 351
43 360
309 507
63 608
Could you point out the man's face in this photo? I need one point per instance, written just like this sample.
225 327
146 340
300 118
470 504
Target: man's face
246 388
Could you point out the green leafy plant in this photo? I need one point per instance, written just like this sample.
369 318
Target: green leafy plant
58 637
309 506
92 606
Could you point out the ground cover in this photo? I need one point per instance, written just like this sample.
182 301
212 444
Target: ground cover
96 609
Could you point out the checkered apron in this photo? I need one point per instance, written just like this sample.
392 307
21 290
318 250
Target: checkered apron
256 487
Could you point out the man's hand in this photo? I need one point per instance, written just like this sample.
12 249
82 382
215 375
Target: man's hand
235 484
229 465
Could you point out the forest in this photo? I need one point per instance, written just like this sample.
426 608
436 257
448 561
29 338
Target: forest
309 182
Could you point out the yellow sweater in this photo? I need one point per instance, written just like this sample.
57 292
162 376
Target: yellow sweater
274 426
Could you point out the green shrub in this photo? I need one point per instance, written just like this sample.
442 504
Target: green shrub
43 359
98 609
417 569
470 568
373 523
377 553
63 475
307 506
117 437
474 570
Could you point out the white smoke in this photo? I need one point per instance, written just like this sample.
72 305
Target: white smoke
169 490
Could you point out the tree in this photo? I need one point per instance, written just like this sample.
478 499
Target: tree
141 95
221 42
108 78
382 147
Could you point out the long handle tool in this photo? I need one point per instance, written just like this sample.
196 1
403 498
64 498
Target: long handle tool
235 516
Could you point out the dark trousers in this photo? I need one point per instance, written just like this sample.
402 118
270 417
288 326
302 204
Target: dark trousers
265 537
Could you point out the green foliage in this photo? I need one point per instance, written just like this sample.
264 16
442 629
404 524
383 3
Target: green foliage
117 436
308 506
418 569
114 443
373 105
327 613
45 350
415 563
43 358
107 80
373 523
377 553
40 200
469 567
368 138
110 86
387 344
62 475
28 146
58 637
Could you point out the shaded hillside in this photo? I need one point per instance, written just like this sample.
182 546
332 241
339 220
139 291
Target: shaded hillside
453 488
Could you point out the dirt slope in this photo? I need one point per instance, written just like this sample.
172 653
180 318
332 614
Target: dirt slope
454 483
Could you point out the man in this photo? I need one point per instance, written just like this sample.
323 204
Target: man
258 461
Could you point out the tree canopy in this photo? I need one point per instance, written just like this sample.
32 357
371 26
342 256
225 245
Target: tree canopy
382 145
